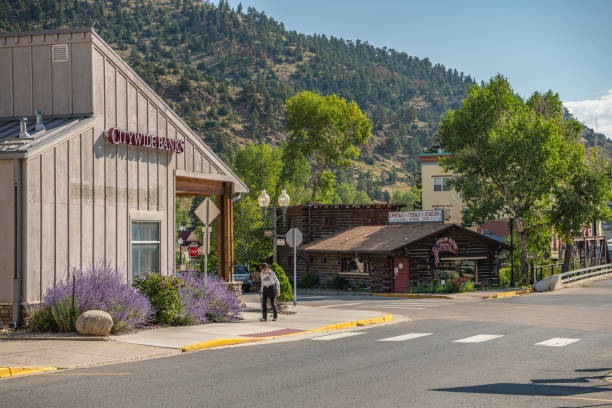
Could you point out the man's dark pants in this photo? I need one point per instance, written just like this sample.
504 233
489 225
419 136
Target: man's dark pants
268 292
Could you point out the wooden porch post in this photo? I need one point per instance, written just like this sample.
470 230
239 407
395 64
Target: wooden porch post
225 234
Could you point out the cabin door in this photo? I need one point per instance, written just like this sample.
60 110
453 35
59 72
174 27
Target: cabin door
401 276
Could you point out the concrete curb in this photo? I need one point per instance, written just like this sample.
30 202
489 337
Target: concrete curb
64 338
14 371
331 327
510 293
412 295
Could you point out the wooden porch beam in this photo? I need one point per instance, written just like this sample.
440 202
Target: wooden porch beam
186 186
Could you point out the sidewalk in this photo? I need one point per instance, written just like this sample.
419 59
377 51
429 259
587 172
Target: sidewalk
477 294
160 342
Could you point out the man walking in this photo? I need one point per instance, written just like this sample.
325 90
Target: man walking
270 288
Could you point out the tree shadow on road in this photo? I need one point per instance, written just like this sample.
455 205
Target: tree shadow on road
544 387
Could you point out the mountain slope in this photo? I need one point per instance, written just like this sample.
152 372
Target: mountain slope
228 73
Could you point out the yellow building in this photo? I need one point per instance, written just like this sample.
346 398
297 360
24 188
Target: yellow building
437 193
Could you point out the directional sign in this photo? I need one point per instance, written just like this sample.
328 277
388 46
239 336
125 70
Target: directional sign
294 237
212 212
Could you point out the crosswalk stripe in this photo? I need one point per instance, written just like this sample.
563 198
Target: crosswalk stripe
340 304
337 336
557 342
479 338
411 303
408 336
399 307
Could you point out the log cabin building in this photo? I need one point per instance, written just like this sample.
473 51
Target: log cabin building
358 243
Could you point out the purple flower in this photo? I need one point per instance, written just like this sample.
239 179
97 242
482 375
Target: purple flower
101 287
219 304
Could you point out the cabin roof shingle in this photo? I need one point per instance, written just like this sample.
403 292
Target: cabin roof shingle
384 238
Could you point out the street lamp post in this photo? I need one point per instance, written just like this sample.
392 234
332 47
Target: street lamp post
181 242
283 203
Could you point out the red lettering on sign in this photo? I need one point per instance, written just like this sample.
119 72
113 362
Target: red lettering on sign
447 244
117 136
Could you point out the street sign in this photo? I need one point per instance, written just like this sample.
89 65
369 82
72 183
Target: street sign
206 212
280 241
294 237
193 251
201 212
409 217
268 233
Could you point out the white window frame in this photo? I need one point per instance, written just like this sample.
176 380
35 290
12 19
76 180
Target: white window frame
444 186
147 216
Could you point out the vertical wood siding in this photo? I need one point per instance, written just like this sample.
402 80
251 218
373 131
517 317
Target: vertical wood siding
7 226
81 191
31 81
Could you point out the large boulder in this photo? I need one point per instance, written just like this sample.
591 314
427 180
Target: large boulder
553 282
94 323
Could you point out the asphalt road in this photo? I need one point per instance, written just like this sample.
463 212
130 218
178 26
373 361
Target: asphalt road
526 351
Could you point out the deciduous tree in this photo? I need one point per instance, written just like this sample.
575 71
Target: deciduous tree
327 130
510 156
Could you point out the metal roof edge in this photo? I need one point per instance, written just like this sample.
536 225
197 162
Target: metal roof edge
48 32
49 138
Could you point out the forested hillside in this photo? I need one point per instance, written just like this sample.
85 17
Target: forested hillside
229 71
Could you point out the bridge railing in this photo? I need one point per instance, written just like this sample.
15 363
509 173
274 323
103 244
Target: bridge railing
585 273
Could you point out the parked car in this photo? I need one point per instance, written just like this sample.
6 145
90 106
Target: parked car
242 274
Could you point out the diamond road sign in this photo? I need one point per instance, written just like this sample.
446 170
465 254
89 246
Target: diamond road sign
213 211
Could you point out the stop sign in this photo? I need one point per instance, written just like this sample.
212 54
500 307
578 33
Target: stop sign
193 251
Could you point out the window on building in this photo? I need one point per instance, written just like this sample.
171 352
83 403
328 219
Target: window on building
330 222
355 265
145 247
441 184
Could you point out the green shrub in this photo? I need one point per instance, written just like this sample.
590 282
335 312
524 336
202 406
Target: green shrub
164 294
286 292
453 285
504 277
339 283
58 317
310 280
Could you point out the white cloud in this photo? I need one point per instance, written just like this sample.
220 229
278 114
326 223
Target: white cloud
585 112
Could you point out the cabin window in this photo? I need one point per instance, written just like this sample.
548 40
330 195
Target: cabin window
145 248
330 222
441 183
355 265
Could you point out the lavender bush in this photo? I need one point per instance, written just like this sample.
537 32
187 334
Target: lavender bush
219 304
98 287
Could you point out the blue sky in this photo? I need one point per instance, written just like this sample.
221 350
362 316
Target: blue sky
538 45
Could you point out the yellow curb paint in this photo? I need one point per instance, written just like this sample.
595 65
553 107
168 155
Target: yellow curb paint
218 343
337 326
367 322
412 295
13 371
511 293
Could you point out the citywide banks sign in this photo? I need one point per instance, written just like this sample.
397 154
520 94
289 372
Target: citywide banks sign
118 136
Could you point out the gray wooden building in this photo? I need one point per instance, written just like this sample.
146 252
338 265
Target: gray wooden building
96 179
